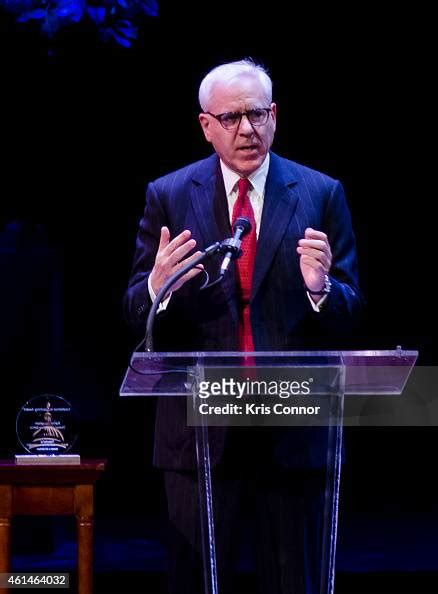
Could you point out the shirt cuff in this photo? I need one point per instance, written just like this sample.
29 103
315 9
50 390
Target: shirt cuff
316 306
163 305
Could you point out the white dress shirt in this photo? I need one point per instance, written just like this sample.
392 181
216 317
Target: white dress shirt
256 191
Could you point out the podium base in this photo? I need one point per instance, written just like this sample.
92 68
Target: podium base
61 459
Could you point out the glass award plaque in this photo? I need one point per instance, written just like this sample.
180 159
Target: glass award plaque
47 429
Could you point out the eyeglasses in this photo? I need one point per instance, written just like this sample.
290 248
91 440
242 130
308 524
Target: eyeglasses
231 119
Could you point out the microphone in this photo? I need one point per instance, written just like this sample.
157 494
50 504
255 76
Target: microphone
242 226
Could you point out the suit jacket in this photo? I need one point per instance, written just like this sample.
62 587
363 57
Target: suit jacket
282 318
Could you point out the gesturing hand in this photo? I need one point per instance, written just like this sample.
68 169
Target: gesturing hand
315 258
171 257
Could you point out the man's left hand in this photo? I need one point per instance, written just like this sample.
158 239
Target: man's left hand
315 258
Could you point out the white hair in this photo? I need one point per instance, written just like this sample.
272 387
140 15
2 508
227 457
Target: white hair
225 73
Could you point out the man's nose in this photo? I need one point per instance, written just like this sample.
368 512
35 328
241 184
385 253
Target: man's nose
245 126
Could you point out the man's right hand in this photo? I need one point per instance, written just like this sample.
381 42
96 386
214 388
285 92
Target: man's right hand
170 258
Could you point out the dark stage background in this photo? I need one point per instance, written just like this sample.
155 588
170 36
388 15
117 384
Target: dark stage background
85 128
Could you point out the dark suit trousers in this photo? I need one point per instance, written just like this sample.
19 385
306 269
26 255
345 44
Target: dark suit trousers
278 511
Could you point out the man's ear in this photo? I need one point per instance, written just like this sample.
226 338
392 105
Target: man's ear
273 114
205 122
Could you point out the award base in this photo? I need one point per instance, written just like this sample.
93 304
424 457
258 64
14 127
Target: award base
61 459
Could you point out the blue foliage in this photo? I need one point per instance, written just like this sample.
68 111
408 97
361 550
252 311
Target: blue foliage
96 14
116 20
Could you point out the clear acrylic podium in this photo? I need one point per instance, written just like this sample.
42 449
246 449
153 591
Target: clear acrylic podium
314 380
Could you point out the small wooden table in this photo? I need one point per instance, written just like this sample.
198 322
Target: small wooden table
47 490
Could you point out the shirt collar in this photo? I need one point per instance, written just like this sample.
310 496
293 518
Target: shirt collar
257 178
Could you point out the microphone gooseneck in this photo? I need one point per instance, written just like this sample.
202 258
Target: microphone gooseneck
242 227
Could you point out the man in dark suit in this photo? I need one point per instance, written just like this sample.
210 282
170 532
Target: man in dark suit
295 286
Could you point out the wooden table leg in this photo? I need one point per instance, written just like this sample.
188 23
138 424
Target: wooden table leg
5 544
85 555
84 522
5 530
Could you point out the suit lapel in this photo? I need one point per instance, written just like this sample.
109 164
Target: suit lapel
279 206
210 207
209 202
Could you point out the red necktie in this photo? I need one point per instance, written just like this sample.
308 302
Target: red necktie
245 264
